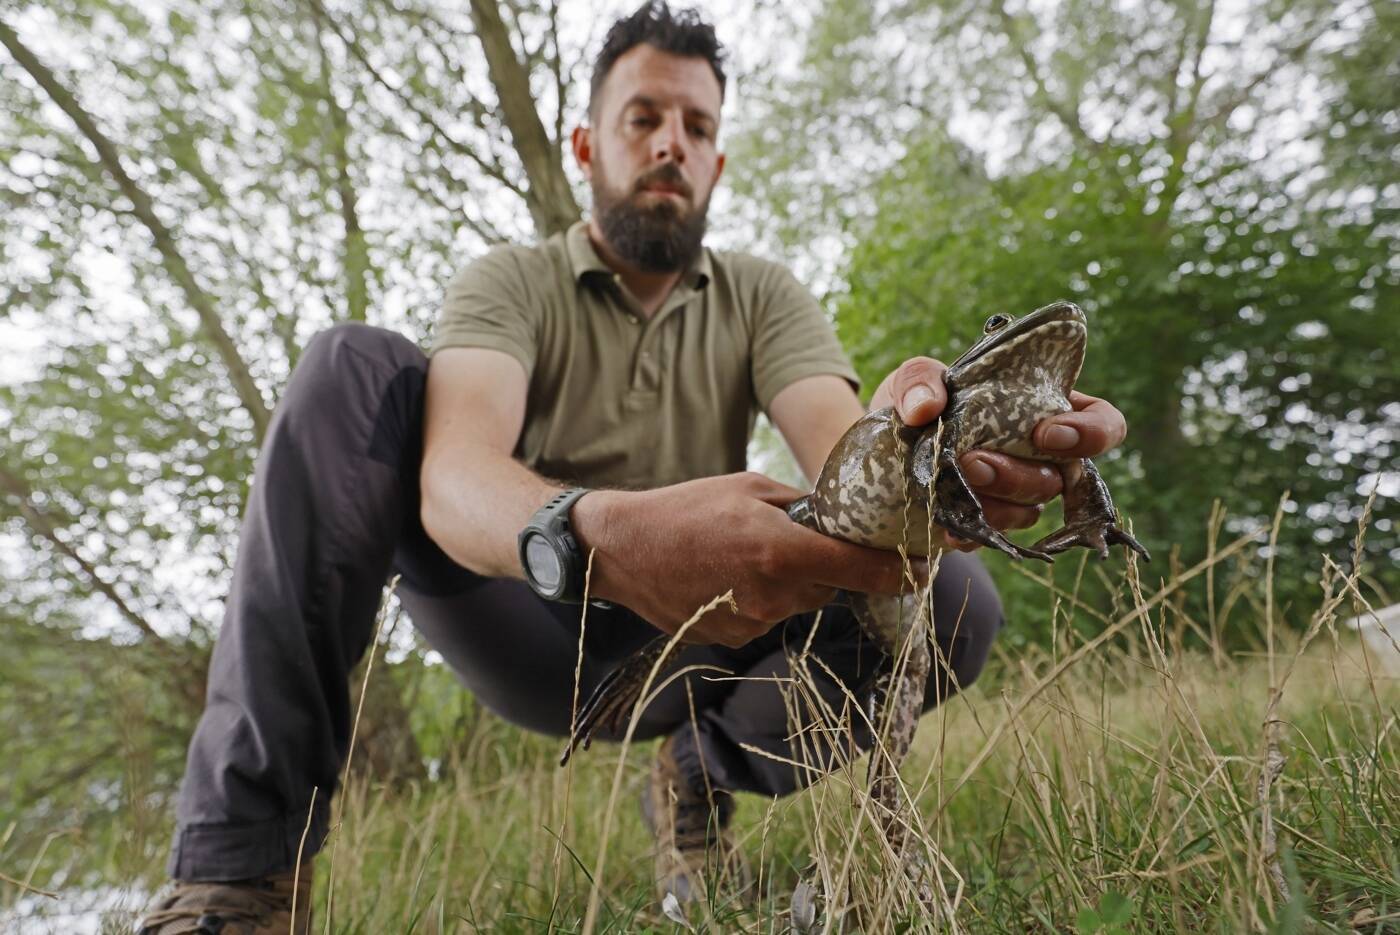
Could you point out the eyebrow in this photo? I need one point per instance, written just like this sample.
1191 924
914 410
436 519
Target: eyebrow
644 101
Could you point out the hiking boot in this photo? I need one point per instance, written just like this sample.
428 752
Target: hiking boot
691 828
242 907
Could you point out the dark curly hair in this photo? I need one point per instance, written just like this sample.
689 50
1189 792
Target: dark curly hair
683 32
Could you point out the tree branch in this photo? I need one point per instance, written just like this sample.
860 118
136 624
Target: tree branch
550 199
1285 56
491 169
482 229
355 251
1068 117
556 67
35 518
144 209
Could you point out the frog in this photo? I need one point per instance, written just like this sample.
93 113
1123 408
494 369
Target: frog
889 485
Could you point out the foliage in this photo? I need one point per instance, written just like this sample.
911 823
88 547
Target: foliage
1215 188
1213 184
1118 794
189 192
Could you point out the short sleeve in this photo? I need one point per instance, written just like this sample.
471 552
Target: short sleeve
489 304
792 338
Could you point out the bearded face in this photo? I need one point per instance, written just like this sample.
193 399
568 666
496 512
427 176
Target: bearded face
653 223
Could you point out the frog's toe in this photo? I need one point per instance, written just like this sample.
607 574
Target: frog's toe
1119 537
616 695
1067 537
999 541
1096 537
983 534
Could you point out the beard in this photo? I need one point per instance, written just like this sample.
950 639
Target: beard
660 237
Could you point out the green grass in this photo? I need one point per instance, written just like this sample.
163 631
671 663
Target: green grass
1106 786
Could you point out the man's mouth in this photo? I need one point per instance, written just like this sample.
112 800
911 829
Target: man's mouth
665 190
666 186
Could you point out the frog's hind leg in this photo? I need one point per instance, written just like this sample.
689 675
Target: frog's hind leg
616 695
900 625
954 506
1090 520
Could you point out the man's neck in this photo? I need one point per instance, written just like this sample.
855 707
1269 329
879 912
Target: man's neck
649 289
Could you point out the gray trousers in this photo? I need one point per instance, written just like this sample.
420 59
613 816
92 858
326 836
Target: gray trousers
334 510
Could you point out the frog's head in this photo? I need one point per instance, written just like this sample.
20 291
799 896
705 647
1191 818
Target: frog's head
1048 342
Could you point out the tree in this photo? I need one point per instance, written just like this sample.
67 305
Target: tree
191 191
1210 184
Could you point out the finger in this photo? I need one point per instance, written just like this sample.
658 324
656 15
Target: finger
817 559
915 389
959 544
1095 426
1004 515
770 491
1003 477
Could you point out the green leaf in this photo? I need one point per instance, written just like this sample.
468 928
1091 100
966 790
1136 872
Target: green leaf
1114 908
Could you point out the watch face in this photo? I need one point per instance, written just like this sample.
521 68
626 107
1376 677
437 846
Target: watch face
543 563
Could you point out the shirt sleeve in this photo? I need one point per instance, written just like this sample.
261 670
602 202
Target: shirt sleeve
488 304
792 338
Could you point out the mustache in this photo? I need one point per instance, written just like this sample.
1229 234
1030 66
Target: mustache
668 175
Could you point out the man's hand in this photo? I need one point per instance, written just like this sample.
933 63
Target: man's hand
1012 491
664 553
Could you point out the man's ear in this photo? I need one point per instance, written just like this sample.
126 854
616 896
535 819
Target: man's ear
581 140
719 169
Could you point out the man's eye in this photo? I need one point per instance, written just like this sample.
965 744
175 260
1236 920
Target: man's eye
702 133
643 121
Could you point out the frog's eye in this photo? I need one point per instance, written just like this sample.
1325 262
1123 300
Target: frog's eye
996 323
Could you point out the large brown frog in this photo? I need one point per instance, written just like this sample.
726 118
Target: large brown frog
888 485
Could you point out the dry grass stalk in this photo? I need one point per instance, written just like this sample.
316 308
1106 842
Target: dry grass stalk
590 918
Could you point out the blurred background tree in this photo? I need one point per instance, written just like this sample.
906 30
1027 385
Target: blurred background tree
191 190
1214 183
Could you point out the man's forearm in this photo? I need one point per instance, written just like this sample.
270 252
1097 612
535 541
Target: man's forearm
476 503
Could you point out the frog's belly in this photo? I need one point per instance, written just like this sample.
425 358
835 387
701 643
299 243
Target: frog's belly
873 511
1001 418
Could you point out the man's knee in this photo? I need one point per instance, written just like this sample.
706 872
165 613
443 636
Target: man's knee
346 371
351 344
968 616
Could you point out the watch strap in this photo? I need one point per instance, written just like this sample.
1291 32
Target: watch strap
552 521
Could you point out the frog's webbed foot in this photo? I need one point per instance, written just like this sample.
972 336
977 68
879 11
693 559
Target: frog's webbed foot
955 507
616 695
1097 536
1090 520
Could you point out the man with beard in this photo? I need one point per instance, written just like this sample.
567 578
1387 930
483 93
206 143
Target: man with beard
591 396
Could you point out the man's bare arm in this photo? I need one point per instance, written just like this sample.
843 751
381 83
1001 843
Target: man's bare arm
812 414
663 553
476 497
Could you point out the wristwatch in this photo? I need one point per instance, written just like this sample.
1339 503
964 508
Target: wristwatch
553 561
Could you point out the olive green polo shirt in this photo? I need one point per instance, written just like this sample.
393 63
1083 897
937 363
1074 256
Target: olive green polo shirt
617 400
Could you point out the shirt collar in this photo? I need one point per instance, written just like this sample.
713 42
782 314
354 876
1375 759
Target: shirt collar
585 260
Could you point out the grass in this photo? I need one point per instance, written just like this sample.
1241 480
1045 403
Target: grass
1124 783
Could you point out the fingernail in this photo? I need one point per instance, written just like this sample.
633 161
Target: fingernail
979 473
919 394
1059 437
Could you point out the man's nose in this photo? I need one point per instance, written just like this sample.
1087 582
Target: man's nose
670 140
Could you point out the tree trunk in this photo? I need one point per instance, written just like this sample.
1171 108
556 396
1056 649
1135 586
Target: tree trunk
551 201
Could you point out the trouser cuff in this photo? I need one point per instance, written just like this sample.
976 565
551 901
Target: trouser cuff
205 853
